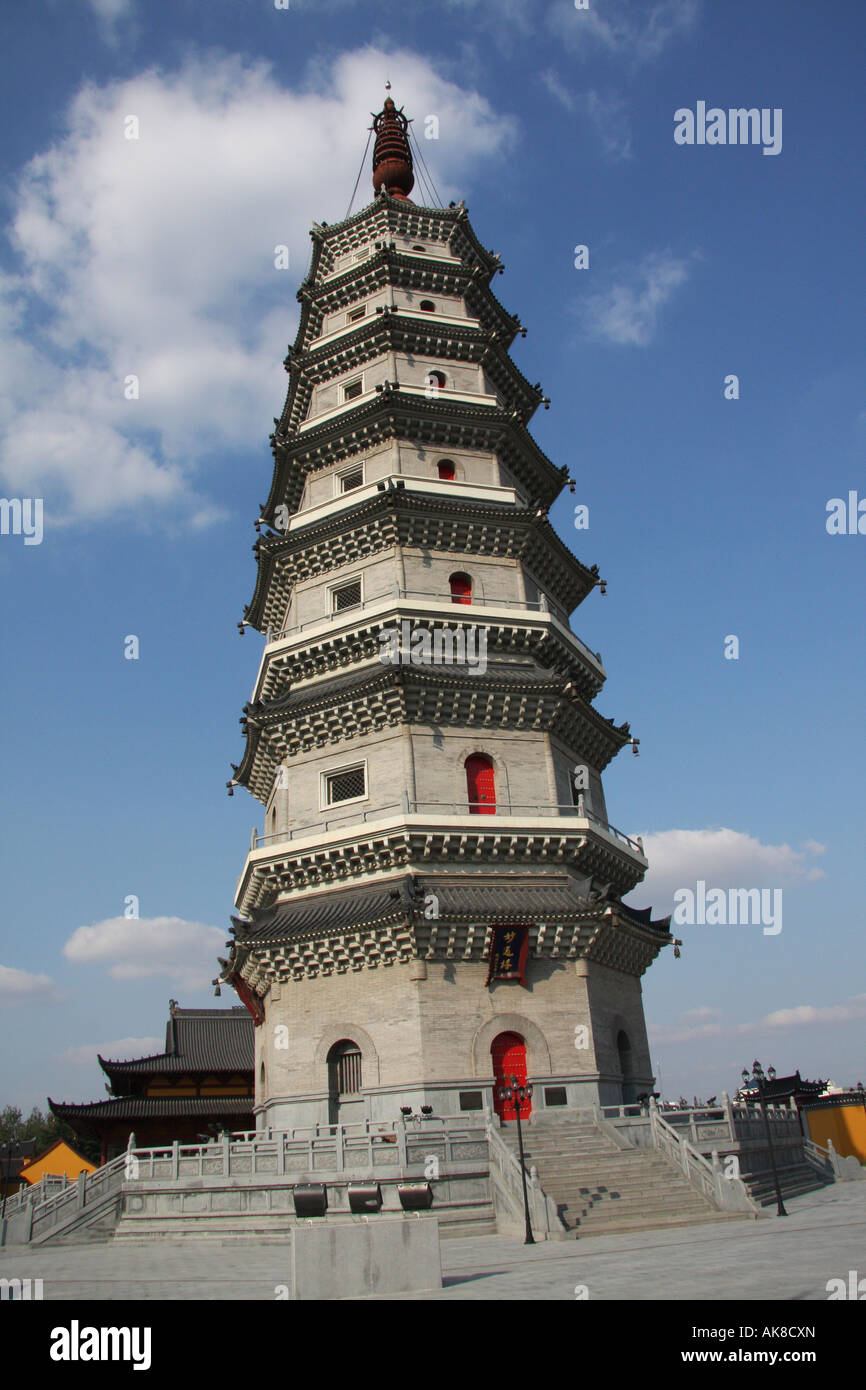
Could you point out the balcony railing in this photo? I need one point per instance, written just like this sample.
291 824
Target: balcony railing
439 810
539 605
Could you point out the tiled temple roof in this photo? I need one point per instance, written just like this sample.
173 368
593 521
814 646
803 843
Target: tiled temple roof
154 1107
211 1040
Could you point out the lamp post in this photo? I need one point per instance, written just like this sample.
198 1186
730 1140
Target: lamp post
518 1094
757 1079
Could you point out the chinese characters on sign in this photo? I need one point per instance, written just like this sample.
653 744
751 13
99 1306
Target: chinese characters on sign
509 948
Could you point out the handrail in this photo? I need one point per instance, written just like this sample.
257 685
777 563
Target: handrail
539 810
818 1156
398 594
543 1214
727 1193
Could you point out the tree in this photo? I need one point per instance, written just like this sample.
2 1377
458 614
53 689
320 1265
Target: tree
44 1129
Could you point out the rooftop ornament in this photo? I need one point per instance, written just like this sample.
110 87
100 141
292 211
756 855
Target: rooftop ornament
392 158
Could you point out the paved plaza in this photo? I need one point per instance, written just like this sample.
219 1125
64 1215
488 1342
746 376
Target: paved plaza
823 1238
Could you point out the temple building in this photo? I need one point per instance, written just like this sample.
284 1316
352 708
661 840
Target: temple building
435 900
201 1084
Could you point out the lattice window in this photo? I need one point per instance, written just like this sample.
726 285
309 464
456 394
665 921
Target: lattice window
346 596
350 784
355 314
352 478
349 1073
353 389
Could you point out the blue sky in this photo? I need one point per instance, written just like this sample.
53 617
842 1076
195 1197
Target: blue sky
154 257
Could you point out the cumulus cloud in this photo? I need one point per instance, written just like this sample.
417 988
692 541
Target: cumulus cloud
120 1050
722 858
138 948
627 312
153 257
20 987
808 1015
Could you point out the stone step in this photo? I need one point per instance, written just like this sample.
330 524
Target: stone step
666 1222
607 1201
793 1182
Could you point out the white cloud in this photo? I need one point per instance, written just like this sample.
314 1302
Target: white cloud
120 1050
700 1023
814 847
631 30
607 114
113 19
683 1033
559 91
20 987
154 257
722 858
627 312
110 9
808 1015
138 948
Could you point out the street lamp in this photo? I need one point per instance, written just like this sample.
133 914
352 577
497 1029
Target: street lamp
519 1093
757 1079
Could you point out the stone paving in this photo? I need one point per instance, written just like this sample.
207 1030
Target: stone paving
778 1258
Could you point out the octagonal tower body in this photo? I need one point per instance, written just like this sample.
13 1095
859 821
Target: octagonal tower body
422 733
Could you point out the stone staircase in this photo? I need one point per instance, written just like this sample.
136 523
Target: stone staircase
600 1189
795 1181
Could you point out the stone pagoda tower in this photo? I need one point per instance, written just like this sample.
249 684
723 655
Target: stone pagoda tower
435 899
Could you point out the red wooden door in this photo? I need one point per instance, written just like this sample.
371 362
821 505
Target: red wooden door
481 785
461 588
508 1051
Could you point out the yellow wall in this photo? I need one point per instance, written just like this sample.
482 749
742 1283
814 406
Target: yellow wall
60 1158
844 1124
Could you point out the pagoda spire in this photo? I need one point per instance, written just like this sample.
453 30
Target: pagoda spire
392 158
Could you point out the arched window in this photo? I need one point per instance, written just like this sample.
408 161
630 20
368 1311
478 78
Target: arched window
437 379
447 471
480 785
428 306
461 588
344 1068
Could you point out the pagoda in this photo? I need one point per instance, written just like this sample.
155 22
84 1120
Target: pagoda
434 903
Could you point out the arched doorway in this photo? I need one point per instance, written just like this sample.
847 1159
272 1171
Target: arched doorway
626 1066
344 1082
508 1052
480 785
